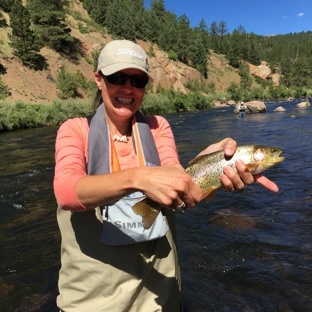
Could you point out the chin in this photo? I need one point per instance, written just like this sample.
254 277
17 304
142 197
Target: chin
126 112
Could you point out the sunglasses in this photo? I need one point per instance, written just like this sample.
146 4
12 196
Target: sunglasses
120 78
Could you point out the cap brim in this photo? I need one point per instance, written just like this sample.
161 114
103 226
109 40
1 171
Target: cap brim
112 69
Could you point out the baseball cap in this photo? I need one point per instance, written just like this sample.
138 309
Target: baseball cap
122 54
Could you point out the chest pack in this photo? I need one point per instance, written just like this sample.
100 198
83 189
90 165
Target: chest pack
121 226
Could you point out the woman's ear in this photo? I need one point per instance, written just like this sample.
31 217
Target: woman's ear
98 79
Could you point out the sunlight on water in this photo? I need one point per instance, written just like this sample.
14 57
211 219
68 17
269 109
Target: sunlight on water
246 251
250 250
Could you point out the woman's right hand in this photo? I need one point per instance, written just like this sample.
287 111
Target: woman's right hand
169 186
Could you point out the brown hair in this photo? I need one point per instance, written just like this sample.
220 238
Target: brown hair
97 100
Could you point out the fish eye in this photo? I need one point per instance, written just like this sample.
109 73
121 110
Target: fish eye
273 150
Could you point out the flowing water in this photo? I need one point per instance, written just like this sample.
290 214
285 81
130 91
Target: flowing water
246 251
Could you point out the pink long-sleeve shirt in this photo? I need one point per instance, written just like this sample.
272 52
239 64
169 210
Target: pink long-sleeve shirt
71 156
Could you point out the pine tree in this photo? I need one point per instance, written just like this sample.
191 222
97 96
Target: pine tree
4 90
199 56
155 19
214 37
185 39
246 80
233 53
168 33
67 84
49 18
301 73
222 31
253 51
202 27
6 5
97 10
3 22
23 40
119 19
140 18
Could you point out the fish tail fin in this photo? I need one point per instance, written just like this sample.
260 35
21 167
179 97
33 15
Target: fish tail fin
208 195
147 212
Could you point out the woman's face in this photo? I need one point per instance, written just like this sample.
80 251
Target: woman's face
121 101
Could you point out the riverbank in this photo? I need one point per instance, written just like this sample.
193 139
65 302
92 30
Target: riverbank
21 115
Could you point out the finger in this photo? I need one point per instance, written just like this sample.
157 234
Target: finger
265 182
194 194
229 146
243 172
182 207
234 178
227 184
179 202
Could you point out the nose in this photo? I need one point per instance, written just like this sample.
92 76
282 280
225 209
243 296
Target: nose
128 84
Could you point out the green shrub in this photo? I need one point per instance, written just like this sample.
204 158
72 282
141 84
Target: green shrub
22 115
172 55
67 84
200 85
156 104
82 29
4 90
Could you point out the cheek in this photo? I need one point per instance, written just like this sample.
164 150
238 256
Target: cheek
140 94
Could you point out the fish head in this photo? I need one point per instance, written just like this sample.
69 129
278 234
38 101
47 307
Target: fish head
265 158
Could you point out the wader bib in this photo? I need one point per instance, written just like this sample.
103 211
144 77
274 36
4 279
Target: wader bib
135 277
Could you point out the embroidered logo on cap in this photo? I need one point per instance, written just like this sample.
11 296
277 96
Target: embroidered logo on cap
129 52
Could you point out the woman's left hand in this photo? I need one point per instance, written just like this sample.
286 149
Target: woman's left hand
232 180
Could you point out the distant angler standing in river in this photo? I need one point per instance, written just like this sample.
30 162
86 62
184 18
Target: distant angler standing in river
242 110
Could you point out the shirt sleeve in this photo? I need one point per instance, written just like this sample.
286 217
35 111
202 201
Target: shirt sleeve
70 162
71 156
164 140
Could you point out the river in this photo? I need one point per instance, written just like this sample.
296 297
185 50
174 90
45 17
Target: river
246 251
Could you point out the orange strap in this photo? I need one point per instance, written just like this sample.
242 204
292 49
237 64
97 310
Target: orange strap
114 162
139 150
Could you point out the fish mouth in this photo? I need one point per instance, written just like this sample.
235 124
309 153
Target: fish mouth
279 159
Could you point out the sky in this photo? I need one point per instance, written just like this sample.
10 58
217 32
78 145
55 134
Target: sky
262 17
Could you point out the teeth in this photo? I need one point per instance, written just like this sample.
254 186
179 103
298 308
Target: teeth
124 100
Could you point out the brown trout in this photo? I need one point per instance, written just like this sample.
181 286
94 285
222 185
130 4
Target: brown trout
206 171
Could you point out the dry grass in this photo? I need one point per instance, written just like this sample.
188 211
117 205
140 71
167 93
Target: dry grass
40 87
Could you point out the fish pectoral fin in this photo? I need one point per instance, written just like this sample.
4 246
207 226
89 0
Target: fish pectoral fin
252 166
148 213
208 195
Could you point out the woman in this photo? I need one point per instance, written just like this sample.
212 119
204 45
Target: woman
109 262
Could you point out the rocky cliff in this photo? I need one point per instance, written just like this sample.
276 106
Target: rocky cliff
40 86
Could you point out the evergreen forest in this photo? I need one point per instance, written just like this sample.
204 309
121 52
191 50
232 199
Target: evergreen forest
39 23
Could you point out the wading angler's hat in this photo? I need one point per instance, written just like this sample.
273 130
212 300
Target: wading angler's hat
122 54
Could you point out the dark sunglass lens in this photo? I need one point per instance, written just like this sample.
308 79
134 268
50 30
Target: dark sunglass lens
139 81
117 78
120 78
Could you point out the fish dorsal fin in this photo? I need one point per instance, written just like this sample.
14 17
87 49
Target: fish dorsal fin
208 195
195 159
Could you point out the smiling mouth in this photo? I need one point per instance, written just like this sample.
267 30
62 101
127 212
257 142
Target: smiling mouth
124 100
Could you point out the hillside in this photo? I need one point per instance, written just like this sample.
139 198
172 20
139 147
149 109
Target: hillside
39 86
